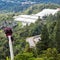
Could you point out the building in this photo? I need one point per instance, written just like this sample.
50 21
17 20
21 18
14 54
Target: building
33 40
28 19
47 12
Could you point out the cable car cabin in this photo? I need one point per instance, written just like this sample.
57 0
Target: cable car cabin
8 31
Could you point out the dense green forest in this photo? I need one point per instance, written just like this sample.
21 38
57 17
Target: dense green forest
38 7
49 46
19 5
46 49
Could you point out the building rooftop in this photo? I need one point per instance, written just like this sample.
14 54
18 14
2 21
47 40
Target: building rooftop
33 40
28 19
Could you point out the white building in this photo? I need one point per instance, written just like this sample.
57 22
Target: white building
47 12
28 19
33 40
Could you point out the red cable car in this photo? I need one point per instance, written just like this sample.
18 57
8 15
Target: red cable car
8 31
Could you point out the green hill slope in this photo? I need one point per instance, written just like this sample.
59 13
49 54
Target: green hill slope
38 7
19 42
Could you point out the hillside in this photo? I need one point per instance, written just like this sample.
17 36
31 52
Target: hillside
38 7
11 7
38 1
20 5
21 48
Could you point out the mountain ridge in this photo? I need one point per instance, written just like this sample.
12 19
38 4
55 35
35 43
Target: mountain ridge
41 1
20 5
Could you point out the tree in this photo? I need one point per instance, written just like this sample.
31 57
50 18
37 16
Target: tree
50 54
45 37
24 56
58 32
44 43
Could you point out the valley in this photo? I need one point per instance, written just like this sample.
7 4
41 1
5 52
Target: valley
35 27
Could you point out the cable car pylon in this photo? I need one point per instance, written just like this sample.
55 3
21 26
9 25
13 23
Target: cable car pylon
8 32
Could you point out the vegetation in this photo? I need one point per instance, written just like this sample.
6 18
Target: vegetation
38 7
46 49
6 7
17 6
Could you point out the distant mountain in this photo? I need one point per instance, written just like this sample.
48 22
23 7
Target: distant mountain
39 7
41 1
6 6
20 5
48 1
